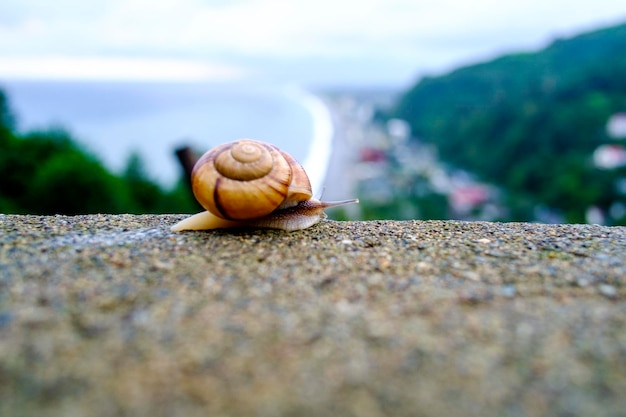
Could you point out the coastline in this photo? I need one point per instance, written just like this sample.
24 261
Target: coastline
316 124
339 179
321 145
112 120
328 158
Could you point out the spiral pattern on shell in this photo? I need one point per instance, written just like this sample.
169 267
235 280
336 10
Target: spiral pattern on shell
248 179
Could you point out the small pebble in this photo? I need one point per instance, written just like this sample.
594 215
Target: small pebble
607 290
582 282
508 291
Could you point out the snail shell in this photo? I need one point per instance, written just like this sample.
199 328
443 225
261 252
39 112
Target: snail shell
248 183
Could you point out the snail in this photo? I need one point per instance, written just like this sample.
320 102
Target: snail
248 183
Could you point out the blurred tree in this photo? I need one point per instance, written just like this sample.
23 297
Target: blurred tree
146 195
22 158
7 122
71 183
47 172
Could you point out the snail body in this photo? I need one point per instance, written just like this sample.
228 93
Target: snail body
248 183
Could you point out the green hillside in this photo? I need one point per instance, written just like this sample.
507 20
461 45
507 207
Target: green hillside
529 122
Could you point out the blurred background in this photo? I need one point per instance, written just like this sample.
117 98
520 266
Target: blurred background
507 111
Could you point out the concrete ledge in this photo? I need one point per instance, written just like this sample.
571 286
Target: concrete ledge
115 315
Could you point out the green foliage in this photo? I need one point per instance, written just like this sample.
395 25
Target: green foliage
149 198
530 122
6 118
47 172
72 183
145 193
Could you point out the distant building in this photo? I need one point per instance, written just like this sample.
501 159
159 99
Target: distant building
368 154
616 126
609 156
466 198
398 129
594 215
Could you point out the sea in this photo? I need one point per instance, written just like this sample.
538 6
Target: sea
114 119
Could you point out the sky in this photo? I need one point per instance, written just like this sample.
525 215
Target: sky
305 42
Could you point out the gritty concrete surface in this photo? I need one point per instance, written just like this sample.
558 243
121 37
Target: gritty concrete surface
117 316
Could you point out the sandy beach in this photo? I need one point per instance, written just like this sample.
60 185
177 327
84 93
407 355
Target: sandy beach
338 182
340 179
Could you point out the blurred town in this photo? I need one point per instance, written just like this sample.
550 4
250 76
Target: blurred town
396 175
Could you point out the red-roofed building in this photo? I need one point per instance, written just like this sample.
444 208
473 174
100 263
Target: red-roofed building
609 156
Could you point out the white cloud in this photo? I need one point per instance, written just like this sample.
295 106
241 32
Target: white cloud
86 68
401 32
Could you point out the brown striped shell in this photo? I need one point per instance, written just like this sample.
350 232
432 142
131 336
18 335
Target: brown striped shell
248 179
